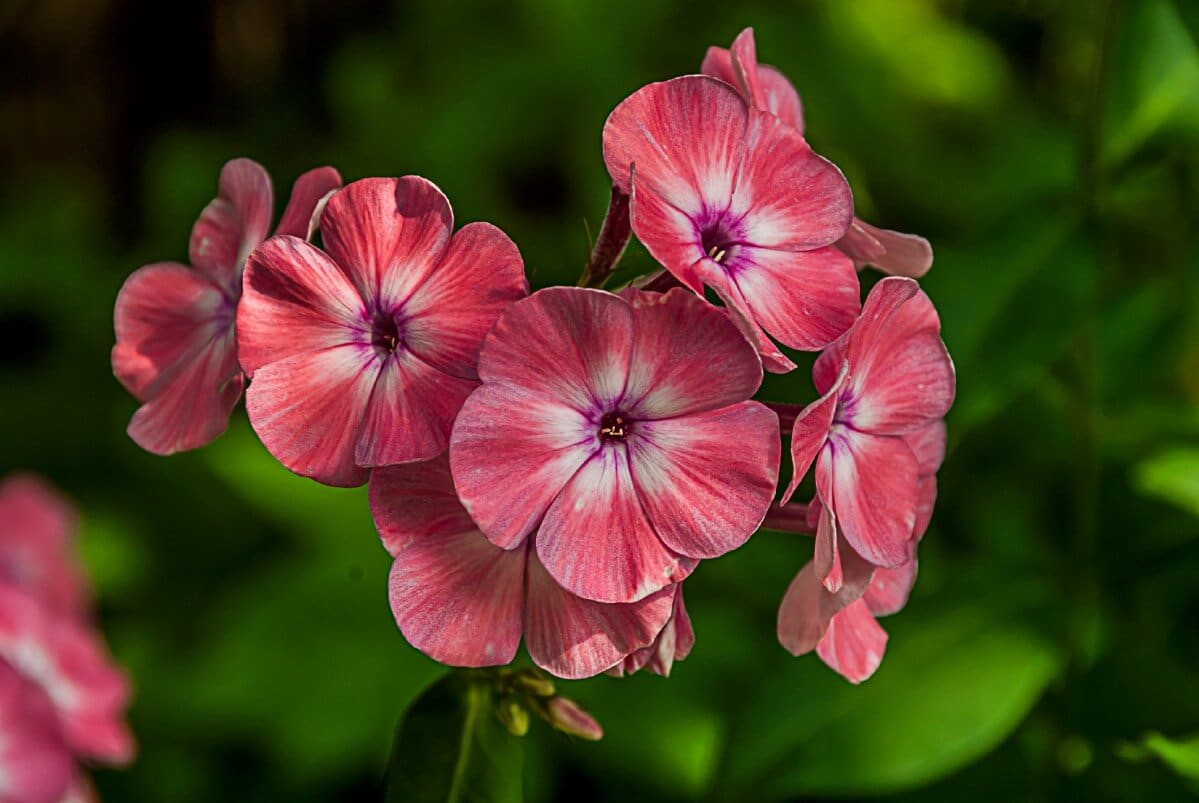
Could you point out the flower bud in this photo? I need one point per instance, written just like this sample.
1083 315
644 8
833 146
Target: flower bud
532 683
513 716
566 715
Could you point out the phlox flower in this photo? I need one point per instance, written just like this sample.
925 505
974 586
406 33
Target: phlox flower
37 528
176 348
620 434
361 354
36 765
766 88
464 601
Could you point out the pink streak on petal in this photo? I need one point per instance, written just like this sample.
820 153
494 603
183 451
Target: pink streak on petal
387 234
448 316
706 480
890 251
854 643
306 194
308 411
688 357
597 541
874 489
889 590
236 221
296 300
810 432
512 452
572 637
458 598
416 501
565 343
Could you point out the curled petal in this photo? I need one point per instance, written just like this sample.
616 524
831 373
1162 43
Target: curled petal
890 251
774 92
810 432
306 194
233 224
672 644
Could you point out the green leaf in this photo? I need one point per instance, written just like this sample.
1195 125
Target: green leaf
1171 475
1181 755
951 688
451 748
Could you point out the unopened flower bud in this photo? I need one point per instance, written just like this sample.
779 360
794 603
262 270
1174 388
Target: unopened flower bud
566 716
532 683
513 716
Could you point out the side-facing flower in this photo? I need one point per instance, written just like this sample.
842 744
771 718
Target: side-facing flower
464 601
621 434
35 764
176 348
766 88
37 528
729 196
361 354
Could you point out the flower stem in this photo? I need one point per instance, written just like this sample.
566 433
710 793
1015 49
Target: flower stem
610 245
789 518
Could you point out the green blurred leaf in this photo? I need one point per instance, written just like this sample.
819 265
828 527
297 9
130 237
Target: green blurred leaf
451 748
1172 475
1180 755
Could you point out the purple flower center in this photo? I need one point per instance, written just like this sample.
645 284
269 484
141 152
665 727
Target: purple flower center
720 237
385 334
615 427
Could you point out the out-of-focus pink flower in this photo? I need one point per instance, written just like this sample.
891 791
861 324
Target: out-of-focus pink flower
36 766
729 196
766 88
176 348
37 528
70 664
674 643
621 434
464 601
361 354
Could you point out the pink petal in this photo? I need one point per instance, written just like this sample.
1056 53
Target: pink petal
805 612
306 193
778 96
35 765
563 343
36 541
458 598
810 432
740 314
410 413
688 357
448 316
928 444
236 221
308 410
926 500
745 68
414 501
672 644
706 480
889 589
572 637
860 245
854 643
296 300
512 452
596 540
873 480
838 566
387 234
890 251
718 63
672 234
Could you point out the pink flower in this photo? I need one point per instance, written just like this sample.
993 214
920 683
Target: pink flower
673 643
37 528
729 196
35 764
463 601
620 434
361 354
176 348
886 380
768 89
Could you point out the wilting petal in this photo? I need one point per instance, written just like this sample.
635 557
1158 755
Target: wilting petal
448 316
810 432
576 638
306 193
387 234
416 501
35 764
584 340
308 410
928 444
457 598
706 480
512 452
874 493
596 540
890 251
233 224
889 589
296 300
854 643
688 357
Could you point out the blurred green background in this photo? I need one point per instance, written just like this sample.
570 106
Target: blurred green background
1050 151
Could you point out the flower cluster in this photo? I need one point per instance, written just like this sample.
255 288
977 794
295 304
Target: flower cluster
551 467
62 700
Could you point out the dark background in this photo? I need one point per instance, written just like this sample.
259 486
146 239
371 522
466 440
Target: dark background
1048 150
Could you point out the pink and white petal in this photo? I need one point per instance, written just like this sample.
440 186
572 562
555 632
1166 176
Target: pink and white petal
308 411
674 643
928 444
906 385
416 501
718 63
740 314
411 412
192 408
306 194
234 223
165 314
781 98
828 365
668 234
458 598
571 637
804 299
895 310
860 245
899 254
889 589
569 344
597 541
295 300
810 432
511 453
853 644
448 316
688 357
745 68
707 480
874 488
387 234
805 612
926 500
826 560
